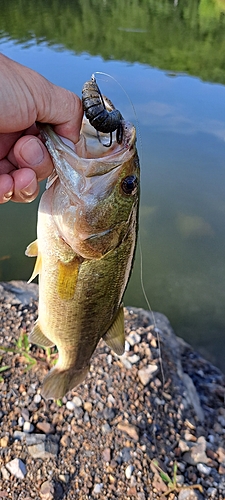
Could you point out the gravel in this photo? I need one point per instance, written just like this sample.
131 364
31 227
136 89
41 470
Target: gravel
115 434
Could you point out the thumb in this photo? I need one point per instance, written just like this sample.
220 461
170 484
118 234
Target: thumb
60 108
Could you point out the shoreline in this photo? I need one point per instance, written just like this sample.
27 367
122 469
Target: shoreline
133 416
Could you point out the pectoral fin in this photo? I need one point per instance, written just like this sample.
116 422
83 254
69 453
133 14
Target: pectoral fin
67 278
32 249
37 269
38 337
114 337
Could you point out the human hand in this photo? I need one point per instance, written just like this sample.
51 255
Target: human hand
27 97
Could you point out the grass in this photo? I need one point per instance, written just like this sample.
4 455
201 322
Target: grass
171 482
3 369
22 347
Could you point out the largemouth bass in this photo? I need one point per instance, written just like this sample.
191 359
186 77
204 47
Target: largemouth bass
86 236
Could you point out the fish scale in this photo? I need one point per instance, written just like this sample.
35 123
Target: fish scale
86 237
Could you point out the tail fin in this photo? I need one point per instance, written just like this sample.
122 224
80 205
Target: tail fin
58 382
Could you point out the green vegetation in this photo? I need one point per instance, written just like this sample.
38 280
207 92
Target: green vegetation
3 369
189 37
23 348
172 482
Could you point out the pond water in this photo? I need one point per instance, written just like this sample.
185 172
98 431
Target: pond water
170 61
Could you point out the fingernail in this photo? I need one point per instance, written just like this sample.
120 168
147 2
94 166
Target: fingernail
32 152
30 188
8 196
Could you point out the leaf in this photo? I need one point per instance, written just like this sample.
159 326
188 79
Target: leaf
19 343
4 368
26 342
7 349
29 358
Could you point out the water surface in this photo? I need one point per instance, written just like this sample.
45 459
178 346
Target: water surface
170 60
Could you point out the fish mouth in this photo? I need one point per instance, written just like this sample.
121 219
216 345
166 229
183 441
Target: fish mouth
91 147
81 167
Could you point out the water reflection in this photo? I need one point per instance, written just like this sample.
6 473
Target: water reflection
182 129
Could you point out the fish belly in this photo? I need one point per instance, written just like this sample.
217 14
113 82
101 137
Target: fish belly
78 301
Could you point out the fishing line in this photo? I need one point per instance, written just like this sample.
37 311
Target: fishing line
137 124
151 311
139 239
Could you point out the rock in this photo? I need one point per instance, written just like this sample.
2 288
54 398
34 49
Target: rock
109 413
193 397
129 429
19 435
34 438
43 448
109 359
70 405
45 427
65 441
77 401
204 469
129 471
134 359
106 428
17 468
221 470
133 338
4 441
158 483
25 414
125 454
132 492
37 398
5 474
28 427
221 455
20 291
64 478
37 450
189 494
126 362
88 406
47 491
21 421
141 496
97 488
189 437
59 491
221 420
197 453
111 399
146 373
212 492
183 446
106 455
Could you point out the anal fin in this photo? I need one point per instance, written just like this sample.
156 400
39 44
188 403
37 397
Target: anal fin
115 337
38 337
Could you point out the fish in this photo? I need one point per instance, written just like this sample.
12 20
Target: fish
86 238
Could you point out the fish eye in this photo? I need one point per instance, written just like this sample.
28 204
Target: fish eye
129 184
